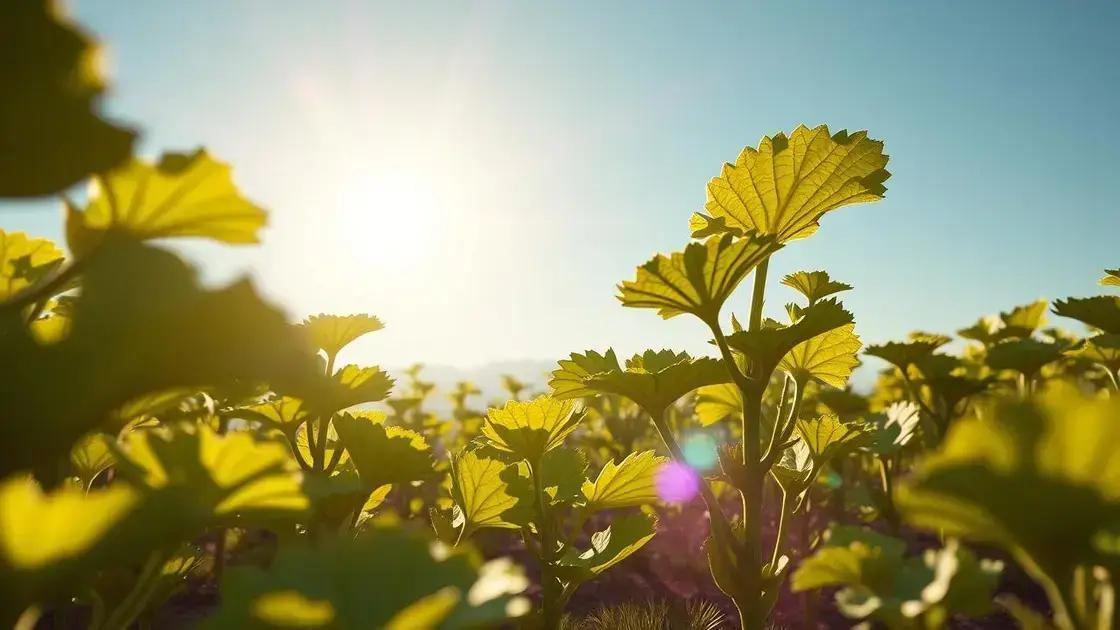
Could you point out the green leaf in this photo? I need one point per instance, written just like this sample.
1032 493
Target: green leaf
91 455
992 477
228 478
698 280
626 535
25 261
903 354
283 412
794 469
481 494
1023 355
51 136
654 379
1103 349
529 429
827 436
181 195
1111 278
630 483
384 454
1101 312
787 184
814 285
120 348
828 358
1022 321
569 380
717 402
332 333
562 472
896 427
767 346
343 583
357 385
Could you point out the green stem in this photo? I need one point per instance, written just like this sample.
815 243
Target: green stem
715 512
780 534
757 296
551 604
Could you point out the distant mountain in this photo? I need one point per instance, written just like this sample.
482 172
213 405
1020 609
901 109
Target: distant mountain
488 377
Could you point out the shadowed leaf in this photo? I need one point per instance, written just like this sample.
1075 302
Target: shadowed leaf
1101 312
384 454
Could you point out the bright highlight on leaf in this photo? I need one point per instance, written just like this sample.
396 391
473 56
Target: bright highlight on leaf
787 184
529 429
480 493
25 261
767 347
332 333
698 280
828 358
181 195
814 285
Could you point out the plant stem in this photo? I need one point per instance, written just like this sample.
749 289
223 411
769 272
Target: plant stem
137 598
780 534
551 604
757 297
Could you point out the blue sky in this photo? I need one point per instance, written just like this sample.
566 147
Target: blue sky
481 175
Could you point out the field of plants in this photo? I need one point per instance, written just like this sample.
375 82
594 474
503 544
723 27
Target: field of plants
176 455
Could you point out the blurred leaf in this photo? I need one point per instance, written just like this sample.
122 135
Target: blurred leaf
181 195
51 136
332 333
896 427
784 187
228 478
698 280
767 346
1101 312
814 285
121 348
1023 355
903 354
384 454
629 483
25 261
992 478
342 583
481 494
828 358
562 473
1103 349
283 412
1022 321
1111 278
529 429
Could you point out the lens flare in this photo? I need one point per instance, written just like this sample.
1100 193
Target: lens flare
700 451
677 482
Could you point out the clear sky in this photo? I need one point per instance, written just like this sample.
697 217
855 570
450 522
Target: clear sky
481 175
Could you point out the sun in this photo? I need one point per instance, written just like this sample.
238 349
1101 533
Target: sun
390 216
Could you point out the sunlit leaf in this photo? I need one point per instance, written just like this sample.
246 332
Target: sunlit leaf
283 412
529 429
357 385
1103 349
25 261
384 454
1111 278
767 346
51 136
623 537
91 455
896 427
1022 321
343 583
814 285
1101 312
569 380
181 195
480 493
828 358
787 184
629 483
828 436
716 402
699 279
230 476
654 379
332 333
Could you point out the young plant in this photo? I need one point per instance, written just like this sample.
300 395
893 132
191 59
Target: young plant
772 195
522 477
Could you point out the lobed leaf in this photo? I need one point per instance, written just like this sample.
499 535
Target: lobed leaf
25 262
767 346
814 285
384 454
529 429
629 483
481 494
332 333
828 358
1102 311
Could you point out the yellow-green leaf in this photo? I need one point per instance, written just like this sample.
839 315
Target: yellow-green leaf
828 436
529 429
625 535
814 285
699 279
828 358
384 454
1103 349
332 333
767 346
25 261
480 493
357 385
787 184
716 402
1111 278
181 195
1101 312
91 455
569 380
631 482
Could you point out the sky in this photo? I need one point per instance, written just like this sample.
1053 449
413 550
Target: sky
482 174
